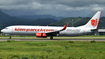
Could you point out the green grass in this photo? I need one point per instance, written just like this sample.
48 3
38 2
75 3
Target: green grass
52 49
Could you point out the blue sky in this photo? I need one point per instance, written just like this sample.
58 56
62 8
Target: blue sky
59 8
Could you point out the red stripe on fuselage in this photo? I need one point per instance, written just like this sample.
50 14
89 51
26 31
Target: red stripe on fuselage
26 30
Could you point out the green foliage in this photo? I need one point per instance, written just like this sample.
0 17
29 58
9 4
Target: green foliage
78 21
8 41
6 20
52 49
67 47
24 57
92 41
49 50
70 42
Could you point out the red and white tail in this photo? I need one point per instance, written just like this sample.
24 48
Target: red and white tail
94 21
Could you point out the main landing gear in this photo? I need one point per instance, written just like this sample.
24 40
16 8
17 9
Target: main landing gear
51 37
9 36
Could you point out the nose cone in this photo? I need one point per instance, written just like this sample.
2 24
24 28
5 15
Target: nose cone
2 30
6 31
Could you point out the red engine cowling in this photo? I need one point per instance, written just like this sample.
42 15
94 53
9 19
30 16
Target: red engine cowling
41 35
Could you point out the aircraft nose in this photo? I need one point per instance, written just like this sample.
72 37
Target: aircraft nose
2 30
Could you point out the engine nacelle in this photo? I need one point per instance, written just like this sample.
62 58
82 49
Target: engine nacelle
41 35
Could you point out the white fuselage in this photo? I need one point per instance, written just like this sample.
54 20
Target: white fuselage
32 30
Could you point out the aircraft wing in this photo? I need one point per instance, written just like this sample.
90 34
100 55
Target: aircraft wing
55 31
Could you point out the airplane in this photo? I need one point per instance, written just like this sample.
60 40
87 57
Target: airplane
44 31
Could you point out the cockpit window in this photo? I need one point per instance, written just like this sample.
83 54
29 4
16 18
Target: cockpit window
6 28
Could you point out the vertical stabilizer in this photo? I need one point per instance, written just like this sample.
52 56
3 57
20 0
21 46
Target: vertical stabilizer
94 21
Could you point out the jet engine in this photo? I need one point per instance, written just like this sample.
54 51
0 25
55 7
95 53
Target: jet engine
41 35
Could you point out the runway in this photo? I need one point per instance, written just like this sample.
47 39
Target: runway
53 39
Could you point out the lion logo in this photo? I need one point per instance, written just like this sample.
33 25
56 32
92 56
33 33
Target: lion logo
94 22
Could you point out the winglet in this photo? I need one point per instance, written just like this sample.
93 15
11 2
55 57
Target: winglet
65 26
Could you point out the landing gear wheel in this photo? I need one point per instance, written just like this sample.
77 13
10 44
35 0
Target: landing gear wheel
51 37
10 37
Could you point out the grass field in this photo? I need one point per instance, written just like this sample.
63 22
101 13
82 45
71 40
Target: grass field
52 50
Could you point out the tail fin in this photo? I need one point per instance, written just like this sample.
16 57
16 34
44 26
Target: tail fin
94 21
